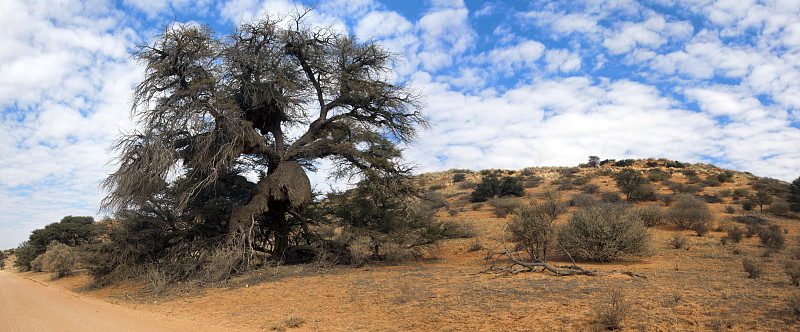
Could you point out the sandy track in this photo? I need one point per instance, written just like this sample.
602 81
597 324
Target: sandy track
29 305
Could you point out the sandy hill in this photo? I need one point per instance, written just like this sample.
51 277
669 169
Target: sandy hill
701 286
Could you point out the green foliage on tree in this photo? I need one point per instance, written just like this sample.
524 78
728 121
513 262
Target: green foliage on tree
71 231
794 195
634 185
594 161
761 198
493 186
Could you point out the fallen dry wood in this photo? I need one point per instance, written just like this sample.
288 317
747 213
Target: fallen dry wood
520 265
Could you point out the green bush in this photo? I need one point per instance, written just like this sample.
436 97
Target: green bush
491 186
604 233
634 185
688 211
459 177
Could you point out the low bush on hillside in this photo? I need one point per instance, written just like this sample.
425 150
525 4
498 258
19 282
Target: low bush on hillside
689 212
533 231
604 233
504 206
651 214
493 186
583 200
753 266
772 238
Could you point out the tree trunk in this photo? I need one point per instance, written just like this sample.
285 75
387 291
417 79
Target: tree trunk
280 225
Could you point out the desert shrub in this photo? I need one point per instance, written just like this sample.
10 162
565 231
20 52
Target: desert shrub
563 184
37 264
735 234
611 312
650 214
729 209
712 181
689 172
701 228
532 230
688 211
726 176
603 233
711 199
504 206
436 187
476 206
780 208
466 185
59 259
772 238
792 269
771 186
652 164
610 197
793 302
433 200
753 266
741 192
725 193
678 241
666 199
569 172
591 188
748 205
583 200
674 164
657 175
624 163
475 245
459 177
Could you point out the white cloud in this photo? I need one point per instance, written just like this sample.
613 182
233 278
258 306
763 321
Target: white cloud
65 93
511 58
445 34
562 60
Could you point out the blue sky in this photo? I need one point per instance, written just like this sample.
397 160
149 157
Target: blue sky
508 84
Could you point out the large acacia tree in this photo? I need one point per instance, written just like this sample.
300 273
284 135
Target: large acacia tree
277 94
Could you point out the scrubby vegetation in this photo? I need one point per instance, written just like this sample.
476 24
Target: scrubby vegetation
605 233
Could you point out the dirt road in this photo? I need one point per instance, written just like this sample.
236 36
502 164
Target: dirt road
29 305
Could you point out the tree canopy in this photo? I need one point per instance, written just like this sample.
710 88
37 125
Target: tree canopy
275 95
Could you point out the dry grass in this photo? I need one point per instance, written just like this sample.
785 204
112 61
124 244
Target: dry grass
704 288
